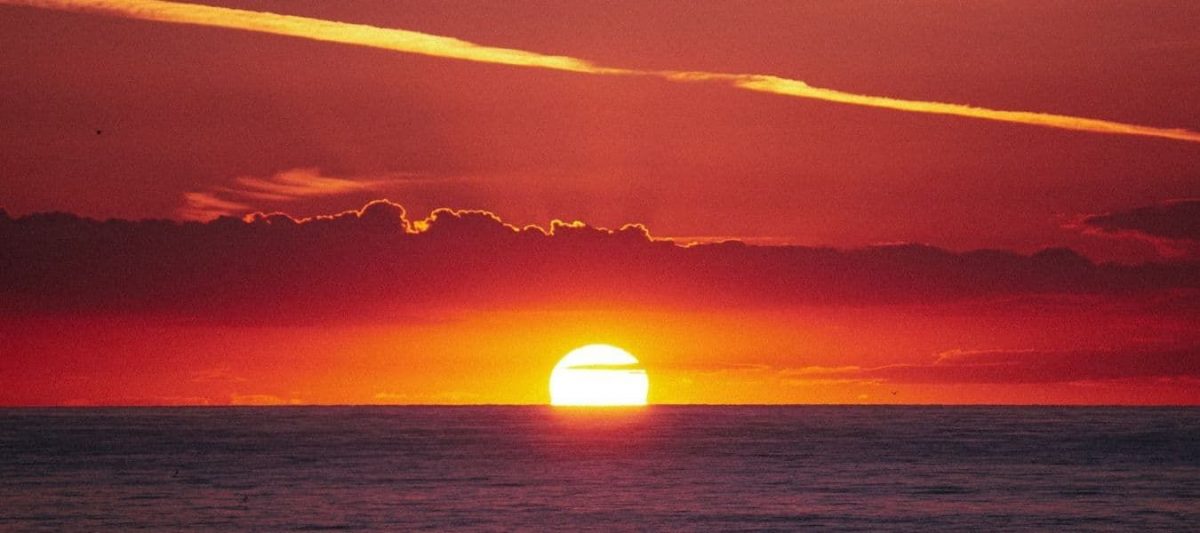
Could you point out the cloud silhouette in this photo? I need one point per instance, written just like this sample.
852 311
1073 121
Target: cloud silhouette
1173 227
377 264
1175 219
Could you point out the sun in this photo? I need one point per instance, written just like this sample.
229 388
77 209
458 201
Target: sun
598 375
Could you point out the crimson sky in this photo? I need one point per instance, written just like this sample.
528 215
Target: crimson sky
874 282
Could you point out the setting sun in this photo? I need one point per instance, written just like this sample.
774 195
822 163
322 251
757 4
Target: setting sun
286 265
598 375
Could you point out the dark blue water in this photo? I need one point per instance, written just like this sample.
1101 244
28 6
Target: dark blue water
903 468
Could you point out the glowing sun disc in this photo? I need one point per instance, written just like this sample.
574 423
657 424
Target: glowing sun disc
598 375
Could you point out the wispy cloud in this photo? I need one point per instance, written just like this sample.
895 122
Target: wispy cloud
201 205
244 193
412 42
301 183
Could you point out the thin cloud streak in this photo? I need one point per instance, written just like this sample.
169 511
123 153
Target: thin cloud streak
238 198
201 205
448 47
776 85
315 29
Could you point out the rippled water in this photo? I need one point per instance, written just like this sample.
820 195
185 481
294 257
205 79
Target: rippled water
903 468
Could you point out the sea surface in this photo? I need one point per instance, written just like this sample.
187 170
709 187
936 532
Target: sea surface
656 468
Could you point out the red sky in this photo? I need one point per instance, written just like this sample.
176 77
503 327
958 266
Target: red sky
106 117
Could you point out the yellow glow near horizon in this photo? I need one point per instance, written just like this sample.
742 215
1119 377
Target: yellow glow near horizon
598 375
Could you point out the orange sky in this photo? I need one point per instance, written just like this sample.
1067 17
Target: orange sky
103 116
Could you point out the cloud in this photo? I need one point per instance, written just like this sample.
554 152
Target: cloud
1027 367
238 197
376 264
1173 227
797 88
301 183
412 42
1174 219
206 206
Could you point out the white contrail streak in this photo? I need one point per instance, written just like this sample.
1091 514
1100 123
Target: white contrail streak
412 42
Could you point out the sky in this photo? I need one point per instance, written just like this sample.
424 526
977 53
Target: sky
765 202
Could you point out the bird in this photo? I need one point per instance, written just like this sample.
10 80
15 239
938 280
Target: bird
894 392
98 132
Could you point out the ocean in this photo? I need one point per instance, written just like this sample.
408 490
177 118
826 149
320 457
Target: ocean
654 468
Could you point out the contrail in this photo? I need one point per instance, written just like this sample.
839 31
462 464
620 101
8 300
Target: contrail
412 42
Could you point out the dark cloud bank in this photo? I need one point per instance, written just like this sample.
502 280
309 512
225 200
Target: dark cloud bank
374 264
1176 220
